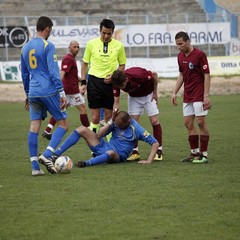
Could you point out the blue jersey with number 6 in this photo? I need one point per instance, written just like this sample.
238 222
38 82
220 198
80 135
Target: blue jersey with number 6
39 68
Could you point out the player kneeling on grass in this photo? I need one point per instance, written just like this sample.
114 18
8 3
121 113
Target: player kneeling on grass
125 133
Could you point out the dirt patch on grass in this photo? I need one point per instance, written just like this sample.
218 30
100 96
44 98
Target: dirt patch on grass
14 92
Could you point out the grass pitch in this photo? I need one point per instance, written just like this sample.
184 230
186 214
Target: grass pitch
164 200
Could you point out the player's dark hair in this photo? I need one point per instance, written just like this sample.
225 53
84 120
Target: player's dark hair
107 23
182 35
43 22
118 78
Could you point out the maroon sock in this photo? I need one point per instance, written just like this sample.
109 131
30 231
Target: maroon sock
84 120
204 143
157 133
135 151
52 121
193 141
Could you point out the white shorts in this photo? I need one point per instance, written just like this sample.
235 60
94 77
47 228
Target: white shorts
136 105
195 108
75 99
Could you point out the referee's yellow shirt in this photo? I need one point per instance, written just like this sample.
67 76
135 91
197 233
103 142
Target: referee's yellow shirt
103 64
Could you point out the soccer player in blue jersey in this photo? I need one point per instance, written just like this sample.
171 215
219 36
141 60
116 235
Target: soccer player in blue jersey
125 133
44 91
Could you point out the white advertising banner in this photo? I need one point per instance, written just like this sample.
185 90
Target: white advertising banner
142 35
235 47
165 67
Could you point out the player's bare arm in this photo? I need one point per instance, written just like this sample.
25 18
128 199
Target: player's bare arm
206 100
151 155
178 85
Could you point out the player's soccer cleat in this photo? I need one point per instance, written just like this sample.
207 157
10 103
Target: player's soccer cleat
37 172
47 135
190 158
158 156
80 164
48 164
200 159
133 157
54 158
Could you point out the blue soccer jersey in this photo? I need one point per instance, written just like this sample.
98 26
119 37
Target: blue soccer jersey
39 68
123 140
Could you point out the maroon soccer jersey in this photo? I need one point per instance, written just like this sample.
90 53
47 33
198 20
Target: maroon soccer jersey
70 80
140 82
193 68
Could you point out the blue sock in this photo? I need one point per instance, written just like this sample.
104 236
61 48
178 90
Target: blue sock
70 141
33 144
35 165
55 140
33 149
98 160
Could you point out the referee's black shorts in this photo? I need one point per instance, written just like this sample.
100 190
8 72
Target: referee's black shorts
99 94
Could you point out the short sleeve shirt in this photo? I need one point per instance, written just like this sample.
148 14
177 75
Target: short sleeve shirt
193 67
104 60
140 82
70 80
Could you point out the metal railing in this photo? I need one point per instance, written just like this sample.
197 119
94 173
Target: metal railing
12 54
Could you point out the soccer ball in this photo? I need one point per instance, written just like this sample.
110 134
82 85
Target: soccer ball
64 164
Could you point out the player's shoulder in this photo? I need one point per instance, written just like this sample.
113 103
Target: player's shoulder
198 51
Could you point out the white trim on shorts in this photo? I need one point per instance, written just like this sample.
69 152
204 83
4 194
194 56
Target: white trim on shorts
136 105
194 109
75 99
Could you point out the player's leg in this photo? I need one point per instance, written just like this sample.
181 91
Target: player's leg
47 132
94 97
89 136
36 114
103 155
78 101
83 115
135 109
153 114
193 136
102 117
204 133
53 105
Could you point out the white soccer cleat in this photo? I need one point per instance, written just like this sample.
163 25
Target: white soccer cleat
48 164
37 172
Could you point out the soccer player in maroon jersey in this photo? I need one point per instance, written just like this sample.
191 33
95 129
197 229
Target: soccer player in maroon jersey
141 86
194 75
70 79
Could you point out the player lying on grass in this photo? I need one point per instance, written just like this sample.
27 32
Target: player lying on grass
125 133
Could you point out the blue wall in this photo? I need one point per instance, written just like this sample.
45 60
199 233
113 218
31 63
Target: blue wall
211 8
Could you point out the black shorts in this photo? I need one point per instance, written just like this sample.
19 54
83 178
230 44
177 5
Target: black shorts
99 94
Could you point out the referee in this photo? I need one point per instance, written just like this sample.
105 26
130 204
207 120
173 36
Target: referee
102 56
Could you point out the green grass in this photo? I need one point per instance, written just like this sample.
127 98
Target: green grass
166 200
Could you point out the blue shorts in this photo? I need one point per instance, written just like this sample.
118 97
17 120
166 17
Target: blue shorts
40 105
102 148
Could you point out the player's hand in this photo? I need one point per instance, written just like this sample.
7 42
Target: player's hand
144 162
108 79
63 103
174 99
26 106
114 113
83 89
206 104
